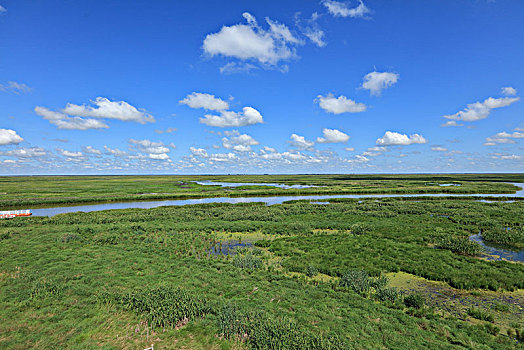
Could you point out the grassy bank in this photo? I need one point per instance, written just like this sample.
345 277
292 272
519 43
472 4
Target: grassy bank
90 280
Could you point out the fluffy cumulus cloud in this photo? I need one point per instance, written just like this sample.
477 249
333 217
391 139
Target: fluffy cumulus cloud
82 117
62 121
251 43
106 109
30 152
300 142
391 138
223 157
375 82
9 137
154 150
199 152
114 151
342 9
92 150
504 137
239 142
338 105
480 110
13 86
248 116
206 101
509 91
69 154
333 136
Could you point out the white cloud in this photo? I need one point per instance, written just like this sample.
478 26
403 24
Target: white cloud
439 149
223 157
333 136
507 156
378 149
70 154
311 29
341 9
248 116
62 121
206 101
2 9
199 152
509 91
237 67
349 149
147 146
300 142
9 137
92 150
395 139
13 86
481 110
358 159
451 123
79 117
251 42
503 137
158 156
375 82
107 109
239 143
168 130
31 152
114 151
339 105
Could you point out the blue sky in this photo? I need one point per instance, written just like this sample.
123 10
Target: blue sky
135 87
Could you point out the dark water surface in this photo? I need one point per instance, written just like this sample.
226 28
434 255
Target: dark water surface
497 252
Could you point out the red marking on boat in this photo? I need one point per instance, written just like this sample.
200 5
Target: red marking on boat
9 214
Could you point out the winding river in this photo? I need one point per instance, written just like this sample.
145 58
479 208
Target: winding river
268 200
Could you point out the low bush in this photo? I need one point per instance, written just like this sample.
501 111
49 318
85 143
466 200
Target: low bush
162 306
480 314
356 280
415 301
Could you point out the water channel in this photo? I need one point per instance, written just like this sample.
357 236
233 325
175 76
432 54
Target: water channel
269 200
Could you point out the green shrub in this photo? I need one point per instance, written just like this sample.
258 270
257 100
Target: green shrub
415 301
162 306
311 271
459 245
360 228
512 236
357 280
388 294
480 314
247 260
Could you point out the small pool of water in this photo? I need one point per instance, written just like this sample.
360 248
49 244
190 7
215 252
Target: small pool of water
239 184
228 247
497 252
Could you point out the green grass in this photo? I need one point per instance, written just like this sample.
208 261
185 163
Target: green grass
131 278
